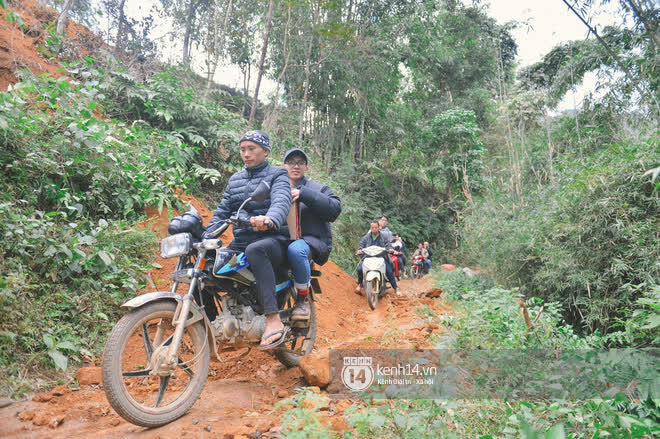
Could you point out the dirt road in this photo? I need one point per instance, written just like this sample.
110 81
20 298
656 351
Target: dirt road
239 396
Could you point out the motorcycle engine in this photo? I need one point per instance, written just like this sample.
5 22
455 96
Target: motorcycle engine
238 322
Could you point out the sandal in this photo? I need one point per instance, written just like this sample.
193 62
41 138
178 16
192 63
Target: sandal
284 331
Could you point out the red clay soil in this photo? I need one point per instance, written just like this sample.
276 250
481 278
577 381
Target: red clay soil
19 47
239 395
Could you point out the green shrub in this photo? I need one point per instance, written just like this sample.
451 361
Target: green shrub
62 285
588 241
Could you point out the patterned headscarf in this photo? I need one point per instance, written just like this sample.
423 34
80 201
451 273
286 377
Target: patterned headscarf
257 136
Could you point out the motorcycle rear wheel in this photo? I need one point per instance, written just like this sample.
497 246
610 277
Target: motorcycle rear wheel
138 397
372 290
306 336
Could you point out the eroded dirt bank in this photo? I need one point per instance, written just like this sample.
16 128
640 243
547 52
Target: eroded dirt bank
239 396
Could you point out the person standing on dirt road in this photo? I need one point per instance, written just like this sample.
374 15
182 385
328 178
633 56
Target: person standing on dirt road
318 206
263 244
375 237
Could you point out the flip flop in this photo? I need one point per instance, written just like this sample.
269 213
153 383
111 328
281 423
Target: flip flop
276 343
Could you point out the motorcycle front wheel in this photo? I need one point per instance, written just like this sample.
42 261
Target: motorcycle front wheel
142 334
372 290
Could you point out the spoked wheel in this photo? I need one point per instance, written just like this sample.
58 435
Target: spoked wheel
137 344
372 289
302 335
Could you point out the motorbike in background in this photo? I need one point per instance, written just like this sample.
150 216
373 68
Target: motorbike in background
373 273
417 267
394 257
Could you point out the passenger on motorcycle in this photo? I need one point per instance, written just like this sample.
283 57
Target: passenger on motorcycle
430 255
375 237
384 230
265 242
318 207
398 245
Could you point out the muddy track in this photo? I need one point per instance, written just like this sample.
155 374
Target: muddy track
239 396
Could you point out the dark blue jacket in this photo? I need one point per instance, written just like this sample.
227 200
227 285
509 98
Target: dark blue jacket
319 206
380 240
239 188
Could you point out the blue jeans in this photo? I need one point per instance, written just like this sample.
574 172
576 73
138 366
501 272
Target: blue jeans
298 253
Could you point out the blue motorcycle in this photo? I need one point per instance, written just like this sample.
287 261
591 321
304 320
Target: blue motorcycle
156 359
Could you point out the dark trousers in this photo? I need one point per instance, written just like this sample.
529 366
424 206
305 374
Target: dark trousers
263 256
389 273
402 263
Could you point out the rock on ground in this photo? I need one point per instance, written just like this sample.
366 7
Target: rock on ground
316 369
89 375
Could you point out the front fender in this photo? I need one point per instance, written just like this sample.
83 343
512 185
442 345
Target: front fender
373 275
196 311
141 300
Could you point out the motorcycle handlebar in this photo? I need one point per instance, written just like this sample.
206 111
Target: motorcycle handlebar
245 223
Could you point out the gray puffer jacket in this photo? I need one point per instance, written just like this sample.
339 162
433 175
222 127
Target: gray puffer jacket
239 188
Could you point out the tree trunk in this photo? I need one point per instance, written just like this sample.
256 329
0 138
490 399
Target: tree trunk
192 9
270 121
216 45
264 50
308 60
246 87
120 44
64 15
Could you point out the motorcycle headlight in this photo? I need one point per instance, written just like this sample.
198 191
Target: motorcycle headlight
176 245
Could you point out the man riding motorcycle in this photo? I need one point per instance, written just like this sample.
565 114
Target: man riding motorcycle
375 237
420 253
265 242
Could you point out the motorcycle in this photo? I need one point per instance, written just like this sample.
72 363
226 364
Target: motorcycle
394 258
156 359
374 273
417 267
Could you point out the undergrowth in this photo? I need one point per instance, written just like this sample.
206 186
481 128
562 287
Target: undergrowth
75 183
488 319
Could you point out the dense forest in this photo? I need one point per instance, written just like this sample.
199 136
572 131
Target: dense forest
415 109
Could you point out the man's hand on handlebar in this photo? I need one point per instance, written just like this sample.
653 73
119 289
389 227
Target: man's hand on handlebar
261 223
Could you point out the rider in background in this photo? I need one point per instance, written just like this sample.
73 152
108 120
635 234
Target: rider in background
318 207
387 233
398 245
375 237
421 251
263 244
428 260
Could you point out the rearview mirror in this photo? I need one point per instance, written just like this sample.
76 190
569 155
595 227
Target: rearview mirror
261 193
